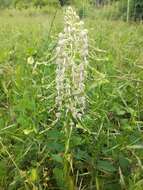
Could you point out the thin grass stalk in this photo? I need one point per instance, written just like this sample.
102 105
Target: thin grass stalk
128 10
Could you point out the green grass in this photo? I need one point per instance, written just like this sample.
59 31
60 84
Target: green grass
106 146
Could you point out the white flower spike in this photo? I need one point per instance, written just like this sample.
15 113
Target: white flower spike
71 60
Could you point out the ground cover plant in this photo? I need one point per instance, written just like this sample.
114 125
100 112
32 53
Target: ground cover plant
100 146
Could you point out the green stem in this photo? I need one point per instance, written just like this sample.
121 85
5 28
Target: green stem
67 158
128 10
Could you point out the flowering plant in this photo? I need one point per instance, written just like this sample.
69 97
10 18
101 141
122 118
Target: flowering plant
71 60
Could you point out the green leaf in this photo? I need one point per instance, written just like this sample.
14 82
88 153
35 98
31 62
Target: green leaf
27 131
33 174
136 146
105 166
57 158
54 134
124 162
2 168
59 176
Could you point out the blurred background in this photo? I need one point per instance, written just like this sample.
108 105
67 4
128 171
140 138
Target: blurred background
116 9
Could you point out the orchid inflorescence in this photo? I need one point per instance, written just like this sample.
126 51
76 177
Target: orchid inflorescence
71 60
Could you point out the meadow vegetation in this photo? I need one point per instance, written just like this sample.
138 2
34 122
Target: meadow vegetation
105 146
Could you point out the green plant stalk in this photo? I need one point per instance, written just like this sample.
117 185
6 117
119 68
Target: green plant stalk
67 158
128 10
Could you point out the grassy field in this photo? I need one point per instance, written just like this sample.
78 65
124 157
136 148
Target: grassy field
106 146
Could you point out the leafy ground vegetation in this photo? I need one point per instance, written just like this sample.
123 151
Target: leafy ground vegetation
105 148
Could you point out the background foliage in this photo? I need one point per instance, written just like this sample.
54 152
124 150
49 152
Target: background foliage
135 6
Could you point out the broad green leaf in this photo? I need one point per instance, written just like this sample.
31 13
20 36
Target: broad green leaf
57 158
105 166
